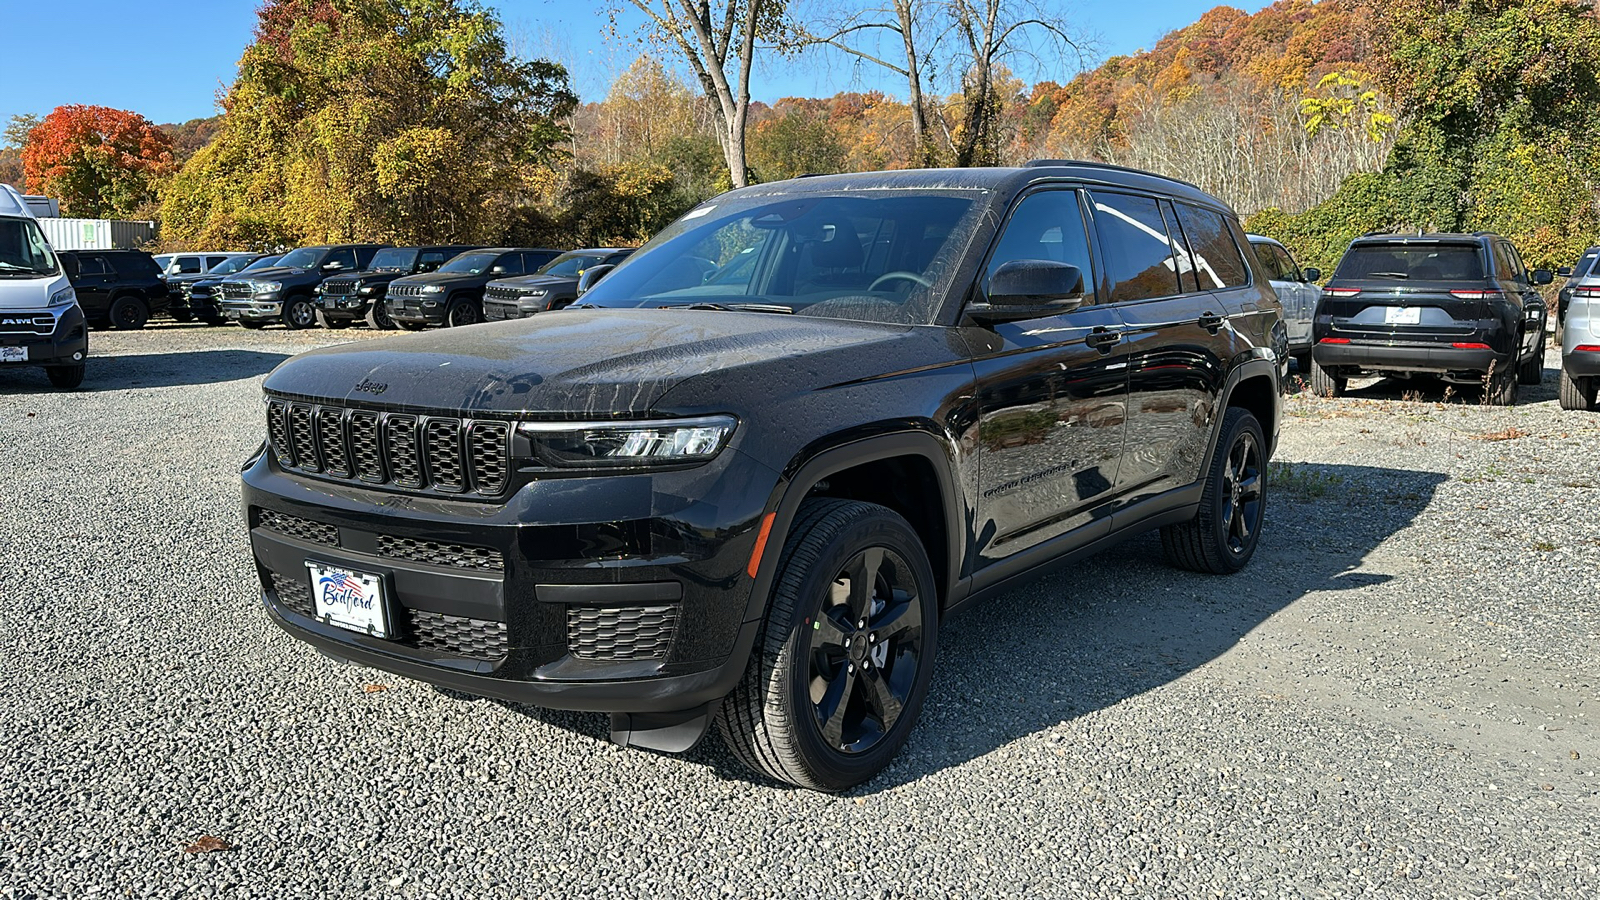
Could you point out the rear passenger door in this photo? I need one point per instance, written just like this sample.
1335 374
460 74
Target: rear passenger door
1050 394
1168 266
93 285
1520 289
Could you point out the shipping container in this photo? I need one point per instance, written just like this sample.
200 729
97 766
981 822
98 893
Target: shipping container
97 234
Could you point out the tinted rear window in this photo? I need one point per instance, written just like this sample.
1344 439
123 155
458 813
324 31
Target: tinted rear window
134 264
1412 262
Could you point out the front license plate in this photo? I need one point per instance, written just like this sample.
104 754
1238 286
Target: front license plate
1402 315
349 599
13 354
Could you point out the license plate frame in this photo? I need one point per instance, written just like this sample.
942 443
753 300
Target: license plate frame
1402 315
349 598
13 354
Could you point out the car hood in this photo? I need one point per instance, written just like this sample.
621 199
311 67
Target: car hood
30 293
591 363
536 281
268 274
443 278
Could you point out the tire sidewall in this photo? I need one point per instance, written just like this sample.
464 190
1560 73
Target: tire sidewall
121 323
457 306
837 770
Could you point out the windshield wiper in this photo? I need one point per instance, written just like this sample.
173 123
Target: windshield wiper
13 267
1388 274
736 307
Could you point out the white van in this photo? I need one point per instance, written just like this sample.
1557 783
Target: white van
41 323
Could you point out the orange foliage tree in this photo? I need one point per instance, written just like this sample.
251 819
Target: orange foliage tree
99 162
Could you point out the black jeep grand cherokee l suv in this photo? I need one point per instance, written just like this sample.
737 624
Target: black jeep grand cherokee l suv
1460 307
752 501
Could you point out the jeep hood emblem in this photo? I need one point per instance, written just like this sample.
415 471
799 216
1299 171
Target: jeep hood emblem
368 386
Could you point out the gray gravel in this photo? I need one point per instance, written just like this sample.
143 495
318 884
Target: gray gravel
1397 699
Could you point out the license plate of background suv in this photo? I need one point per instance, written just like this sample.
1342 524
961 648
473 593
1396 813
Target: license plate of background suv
349 599
1402 315
13 354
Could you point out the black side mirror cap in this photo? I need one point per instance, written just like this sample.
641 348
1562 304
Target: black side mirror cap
1030 289
1543 276
1312 273
591 275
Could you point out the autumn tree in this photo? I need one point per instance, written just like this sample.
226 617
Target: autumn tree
99 162
798 139
399 120
990 33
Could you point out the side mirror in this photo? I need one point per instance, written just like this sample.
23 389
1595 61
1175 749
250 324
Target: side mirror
1031 289
1312 274
591 275
1564 272
333 267
1543 276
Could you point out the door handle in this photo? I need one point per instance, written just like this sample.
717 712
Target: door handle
1210 321
1103 339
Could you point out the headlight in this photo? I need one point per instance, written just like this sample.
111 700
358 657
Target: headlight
268 287
433 289
534 295
663 442
64 297
367 289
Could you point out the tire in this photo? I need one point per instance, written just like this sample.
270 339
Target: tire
378 317
1531 370
128 313
1224 532
774 720
253 326
182 315
66 377
325 322
1577 393
1325 383
298 313
462 311
1499 388
412 326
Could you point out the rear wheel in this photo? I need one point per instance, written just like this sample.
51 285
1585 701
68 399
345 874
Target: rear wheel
1500 388
1223 534
66 377
1577 393
298 313
129 313
1324 383
836 681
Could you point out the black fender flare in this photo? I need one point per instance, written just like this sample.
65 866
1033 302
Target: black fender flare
814 465
1257 363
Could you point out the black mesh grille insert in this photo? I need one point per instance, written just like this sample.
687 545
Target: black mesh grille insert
296 527
618 633
442 447
400 444
368 460
439 453
490 458
295 594
304 441
333 288
441 553
330 432
455 635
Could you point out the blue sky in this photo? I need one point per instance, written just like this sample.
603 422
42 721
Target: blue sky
168 59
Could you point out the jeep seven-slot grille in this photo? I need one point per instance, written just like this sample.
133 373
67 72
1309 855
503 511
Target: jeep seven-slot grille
621 633
338 288
421 453
406 290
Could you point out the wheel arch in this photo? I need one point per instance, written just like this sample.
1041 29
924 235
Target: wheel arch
1252 385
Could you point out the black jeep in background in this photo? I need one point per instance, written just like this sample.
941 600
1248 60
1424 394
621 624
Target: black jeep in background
453 294
119 288
1457 307
553 286
344 300
752 498
284 292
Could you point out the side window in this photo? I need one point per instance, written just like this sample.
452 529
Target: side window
1141 260
430 260
345 259
188 265
1216 255
1182 254
1045 225
1521 272
615 258
213 261
92 265
532 261
1269 260
507 264
1286 263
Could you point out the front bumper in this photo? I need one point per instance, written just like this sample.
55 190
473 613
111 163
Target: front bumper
1426 358
344 306
63 342
198 304
427 310
498 310
613 594
258 307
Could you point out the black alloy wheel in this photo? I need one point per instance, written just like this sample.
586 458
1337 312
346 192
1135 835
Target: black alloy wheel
378 316
1225 531
298 313
129 314
839 674
461 311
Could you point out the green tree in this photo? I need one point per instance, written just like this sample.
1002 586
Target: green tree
796 142
399 120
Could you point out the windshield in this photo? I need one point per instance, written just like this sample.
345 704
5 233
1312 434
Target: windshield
569 264
396 258
24 253
868 255
470 263
304 258
230 265
265 262
1412 262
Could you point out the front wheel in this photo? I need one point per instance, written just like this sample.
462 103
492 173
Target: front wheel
66 377
378 316
836 681
461 311
1224 532
298 313
1531 371
129 314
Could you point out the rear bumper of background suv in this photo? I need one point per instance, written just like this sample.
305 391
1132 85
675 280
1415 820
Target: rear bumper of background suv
1394 356
1582 363
620 606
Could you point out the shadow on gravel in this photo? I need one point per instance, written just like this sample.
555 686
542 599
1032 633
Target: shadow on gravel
149 370
1117 625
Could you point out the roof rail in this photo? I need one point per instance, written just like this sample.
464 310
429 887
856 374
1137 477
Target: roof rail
1096 164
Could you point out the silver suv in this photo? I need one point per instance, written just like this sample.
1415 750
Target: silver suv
1580 339
1298 292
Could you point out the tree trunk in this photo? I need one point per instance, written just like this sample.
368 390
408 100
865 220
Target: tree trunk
924 155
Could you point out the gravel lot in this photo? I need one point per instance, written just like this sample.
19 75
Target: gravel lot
1398 698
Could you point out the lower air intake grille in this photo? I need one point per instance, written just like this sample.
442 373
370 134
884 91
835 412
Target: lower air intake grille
440 553
621 633
296 527
295 594
455 635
